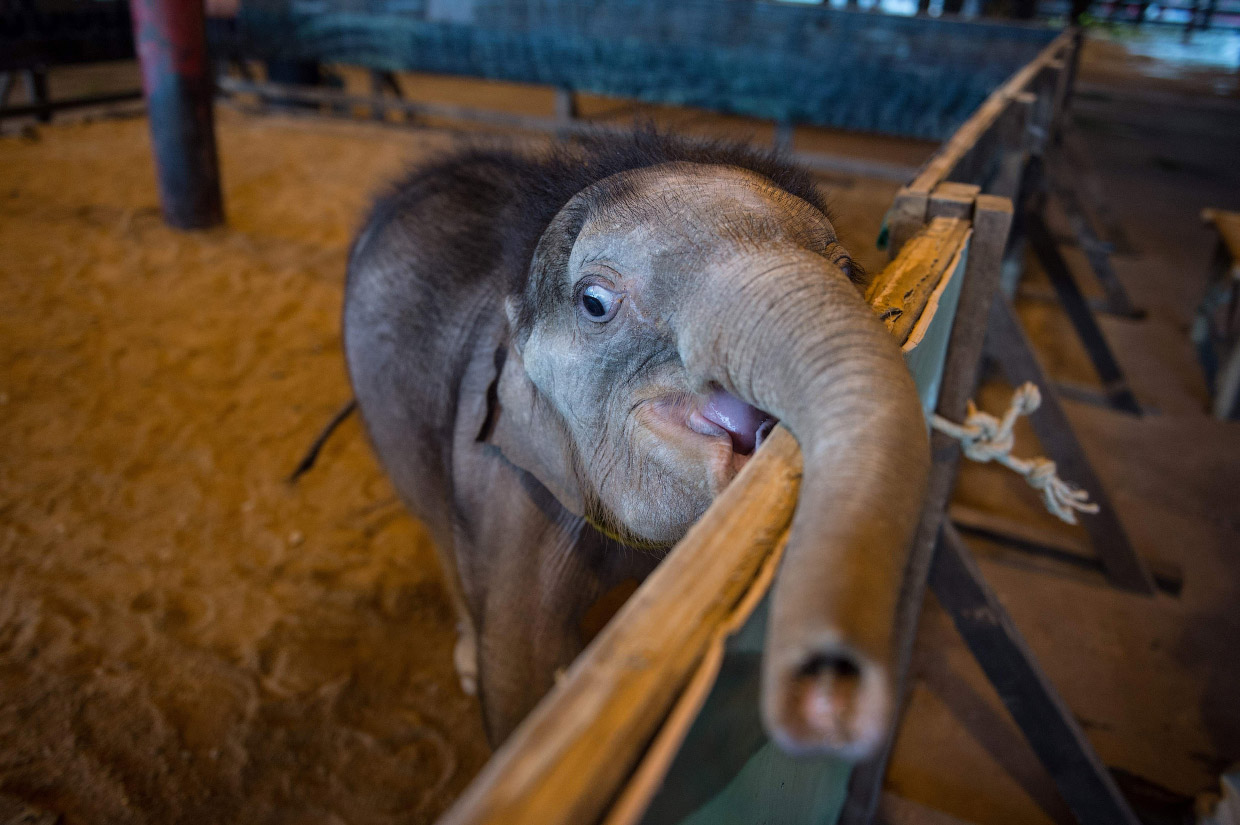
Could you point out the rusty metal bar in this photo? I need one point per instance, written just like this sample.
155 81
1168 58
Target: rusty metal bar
170 37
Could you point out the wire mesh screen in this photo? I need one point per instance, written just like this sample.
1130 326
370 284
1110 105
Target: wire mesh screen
918 77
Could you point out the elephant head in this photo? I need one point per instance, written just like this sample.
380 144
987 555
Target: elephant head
672 315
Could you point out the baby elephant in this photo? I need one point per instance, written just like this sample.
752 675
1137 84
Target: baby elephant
562 358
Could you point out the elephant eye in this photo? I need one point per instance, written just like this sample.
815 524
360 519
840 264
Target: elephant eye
851 269
598 303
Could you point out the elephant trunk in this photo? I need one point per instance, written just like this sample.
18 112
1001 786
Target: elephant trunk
794 338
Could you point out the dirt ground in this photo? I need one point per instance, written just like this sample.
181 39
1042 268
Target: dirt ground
185 637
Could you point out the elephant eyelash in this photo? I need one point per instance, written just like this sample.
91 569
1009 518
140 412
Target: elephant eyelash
851 269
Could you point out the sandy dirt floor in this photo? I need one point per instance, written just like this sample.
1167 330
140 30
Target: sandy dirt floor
184 637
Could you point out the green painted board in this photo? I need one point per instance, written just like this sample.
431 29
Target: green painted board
727 772
927 359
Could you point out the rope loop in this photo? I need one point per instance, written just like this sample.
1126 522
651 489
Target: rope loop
985 438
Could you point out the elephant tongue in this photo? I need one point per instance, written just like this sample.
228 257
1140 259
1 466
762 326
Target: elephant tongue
746 424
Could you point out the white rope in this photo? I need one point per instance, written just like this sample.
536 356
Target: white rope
986 438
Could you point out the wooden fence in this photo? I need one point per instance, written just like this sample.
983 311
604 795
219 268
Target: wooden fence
657 721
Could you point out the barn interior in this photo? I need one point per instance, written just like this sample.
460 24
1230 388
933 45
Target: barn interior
188 636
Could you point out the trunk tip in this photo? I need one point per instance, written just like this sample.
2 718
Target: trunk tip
834 702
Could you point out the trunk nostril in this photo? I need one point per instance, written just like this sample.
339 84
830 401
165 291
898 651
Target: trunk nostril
836 664
829 701
826 690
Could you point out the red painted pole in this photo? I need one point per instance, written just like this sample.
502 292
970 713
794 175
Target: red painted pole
170 36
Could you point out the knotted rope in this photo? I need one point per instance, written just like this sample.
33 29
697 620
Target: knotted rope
986 438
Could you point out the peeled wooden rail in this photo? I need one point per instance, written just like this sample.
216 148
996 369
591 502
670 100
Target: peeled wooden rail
570 758
992 147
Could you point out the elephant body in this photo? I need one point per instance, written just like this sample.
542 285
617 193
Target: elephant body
517 411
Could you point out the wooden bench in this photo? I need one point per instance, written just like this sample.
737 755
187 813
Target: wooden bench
1216 328
1227 225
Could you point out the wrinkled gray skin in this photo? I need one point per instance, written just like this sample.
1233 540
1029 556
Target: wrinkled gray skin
555 456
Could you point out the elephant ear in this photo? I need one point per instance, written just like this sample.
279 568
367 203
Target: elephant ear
528 433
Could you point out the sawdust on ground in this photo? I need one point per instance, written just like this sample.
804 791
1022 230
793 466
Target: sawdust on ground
184 637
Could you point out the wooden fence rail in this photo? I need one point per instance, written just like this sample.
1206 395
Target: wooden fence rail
992 147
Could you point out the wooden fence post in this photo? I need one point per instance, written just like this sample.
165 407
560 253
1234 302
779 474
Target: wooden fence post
992 218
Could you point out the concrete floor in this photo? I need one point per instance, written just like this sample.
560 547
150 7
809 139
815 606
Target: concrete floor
1154 681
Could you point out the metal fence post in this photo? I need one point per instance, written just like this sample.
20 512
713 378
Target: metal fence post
170 37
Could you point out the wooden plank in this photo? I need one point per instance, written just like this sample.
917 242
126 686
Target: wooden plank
1092 190
925 349
1114 382
1015 147
992 219
1044 718
1062 70
984 118
7 112
565 761
339 101
1043 87
1007 343
905 219
902 293
1227 224
1064 180
953 200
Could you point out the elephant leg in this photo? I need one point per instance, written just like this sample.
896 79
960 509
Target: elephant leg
465 656
535 575
545 606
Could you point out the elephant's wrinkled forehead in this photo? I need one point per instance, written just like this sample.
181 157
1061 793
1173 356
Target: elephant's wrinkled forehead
682 212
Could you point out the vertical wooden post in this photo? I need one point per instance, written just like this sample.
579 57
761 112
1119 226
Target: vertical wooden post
37 95
905 219
992 218
170 36
1007 343
1015 141
565 105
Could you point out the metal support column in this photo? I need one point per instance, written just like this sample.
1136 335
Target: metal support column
170 36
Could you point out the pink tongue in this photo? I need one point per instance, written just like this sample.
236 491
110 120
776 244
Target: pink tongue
737 417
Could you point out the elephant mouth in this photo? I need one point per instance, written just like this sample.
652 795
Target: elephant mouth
718 428
722 413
